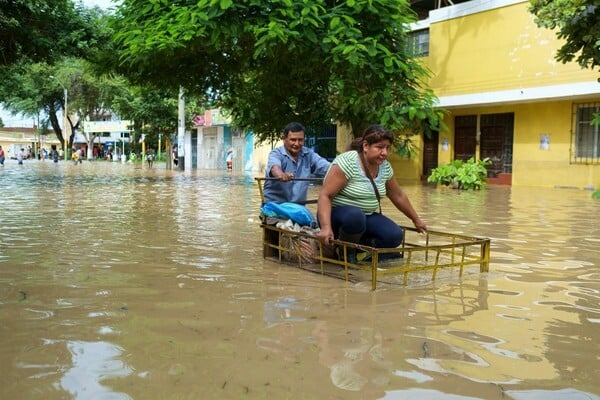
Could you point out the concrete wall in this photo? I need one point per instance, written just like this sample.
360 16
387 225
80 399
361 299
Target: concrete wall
489 57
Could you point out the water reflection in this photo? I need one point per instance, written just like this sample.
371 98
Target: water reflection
92 363
122 282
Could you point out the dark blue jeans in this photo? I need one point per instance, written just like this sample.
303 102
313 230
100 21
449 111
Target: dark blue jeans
377 229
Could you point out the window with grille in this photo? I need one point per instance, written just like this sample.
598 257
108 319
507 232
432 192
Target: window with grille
420 42
585 141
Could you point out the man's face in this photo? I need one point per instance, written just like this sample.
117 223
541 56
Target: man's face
293 143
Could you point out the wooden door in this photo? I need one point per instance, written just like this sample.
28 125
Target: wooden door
495 142
430 154
465 137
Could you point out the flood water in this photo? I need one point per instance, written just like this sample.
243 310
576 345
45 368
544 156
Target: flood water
120 282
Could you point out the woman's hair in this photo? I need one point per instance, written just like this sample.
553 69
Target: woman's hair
373 134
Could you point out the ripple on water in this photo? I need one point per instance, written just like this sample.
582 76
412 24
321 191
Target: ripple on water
39 314
106 235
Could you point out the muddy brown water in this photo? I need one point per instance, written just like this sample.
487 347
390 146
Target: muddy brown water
120 282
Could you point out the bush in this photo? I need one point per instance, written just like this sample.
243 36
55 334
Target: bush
461 175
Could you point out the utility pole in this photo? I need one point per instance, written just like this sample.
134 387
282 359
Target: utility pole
181 131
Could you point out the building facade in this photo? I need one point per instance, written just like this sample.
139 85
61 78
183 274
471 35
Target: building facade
13 139
507 99
494 71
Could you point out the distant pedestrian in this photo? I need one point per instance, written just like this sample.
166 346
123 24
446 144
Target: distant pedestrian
75 157
175 156
150 158
229 160
20 156
1 156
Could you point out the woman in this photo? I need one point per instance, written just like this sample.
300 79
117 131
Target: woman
349 201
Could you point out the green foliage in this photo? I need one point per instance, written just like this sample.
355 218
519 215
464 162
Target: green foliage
595 119
270 62
596 194
154 111
43 31
35 87
578 25
405 147
52 38
468 175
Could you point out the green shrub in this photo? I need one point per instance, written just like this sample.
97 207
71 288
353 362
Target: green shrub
461 175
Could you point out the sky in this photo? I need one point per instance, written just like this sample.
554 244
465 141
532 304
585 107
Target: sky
17 120
99 3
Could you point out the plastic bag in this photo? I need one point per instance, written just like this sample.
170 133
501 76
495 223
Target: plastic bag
296 212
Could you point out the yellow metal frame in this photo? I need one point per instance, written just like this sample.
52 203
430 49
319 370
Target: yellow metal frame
419 252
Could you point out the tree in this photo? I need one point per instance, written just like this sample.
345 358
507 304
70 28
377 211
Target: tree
27 90
26 87
272 62
577 23
43 30
38 88
153 110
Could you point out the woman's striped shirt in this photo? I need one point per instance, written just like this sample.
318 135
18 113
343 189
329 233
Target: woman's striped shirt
359 191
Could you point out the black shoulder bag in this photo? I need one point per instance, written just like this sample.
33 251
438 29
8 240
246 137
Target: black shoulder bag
368 174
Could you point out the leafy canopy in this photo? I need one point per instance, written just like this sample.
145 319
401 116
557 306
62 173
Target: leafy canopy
43 30
577 23
271 62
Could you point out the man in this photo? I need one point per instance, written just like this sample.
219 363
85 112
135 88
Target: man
1 156
292 160
20 156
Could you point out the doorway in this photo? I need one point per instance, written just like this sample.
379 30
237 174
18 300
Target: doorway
496 142
209 148
430 154
465 137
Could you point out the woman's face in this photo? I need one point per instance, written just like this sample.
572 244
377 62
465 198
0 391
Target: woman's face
377 153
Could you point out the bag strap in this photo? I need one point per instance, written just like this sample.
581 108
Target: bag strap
368 174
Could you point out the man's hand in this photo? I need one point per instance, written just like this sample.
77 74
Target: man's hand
285 177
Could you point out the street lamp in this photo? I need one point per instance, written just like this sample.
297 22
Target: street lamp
65 113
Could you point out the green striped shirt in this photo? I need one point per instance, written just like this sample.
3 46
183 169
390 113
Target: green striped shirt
359 191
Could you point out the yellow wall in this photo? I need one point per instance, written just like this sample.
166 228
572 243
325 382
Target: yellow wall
533 166
502 52
495 50
403 169
343 138
409 169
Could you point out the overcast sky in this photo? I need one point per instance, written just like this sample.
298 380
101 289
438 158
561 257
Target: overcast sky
99 3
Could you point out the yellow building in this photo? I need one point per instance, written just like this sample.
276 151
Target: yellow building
12 139
507 97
